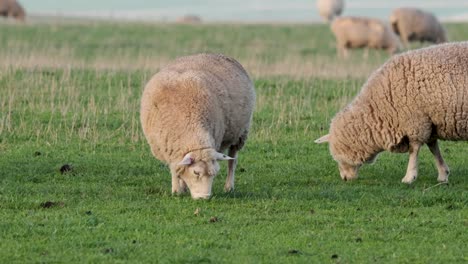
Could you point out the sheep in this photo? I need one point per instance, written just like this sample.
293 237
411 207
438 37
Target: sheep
358 32
189 19
328 9
191 112
11 8
415 98
417 25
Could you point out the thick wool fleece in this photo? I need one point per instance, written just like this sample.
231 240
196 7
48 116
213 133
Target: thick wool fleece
417 25
11 8
358 32
414 97
196 103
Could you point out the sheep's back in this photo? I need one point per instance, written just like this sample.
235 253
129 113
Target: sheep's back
196 94
428 86
225 81
419 23
358 32
11 7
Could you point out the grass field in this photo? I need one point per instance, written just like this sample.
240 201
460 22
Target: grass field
69 94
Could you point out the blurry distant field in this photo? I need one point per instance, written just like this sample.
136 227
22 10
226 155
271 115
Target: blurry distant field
69 94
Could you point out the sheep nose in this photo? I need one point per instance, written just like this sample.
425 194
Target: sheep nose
201 196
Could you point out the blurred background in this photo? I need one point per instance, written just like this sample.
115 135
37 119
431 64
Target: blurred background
252 11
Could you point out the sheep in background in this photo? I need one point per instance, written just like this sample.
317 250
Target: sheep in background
417 25
328 9
359 32
11 8
189 19
192 111
414 99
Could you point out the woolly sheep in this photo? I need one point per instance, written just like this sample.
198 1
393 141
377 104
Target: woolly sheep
11 8
414 99
417 25
358 32
328 9
192 111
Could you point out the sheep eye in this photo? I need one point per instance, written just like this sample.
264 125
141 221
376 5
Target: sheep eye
196 173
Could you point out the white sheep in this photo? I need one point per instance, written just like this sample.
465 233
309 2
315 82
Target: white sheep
192 111
417 25
414 99
328 9
359 32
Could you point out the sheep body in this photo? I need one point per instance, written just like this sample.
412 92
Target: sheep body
358 32
414 99
194 109
11 8
328 9
417 25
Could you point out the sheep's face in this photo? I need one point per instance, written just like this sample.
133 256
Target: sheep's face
347 164
198 171
348 171
199 178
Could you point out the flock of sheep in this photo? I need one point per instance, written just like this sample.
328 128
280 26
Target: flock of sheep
410 24
199 106
13 9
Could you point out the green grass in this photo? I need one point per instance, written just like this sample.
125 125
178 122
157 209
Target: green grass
69 94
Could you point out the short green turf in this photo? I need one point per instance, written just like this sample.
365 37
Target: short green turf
62 101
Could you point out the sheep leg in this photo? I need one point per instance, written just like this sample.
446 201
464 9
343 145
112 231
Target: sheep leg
341 50
366 53
405 38
412 170
391 50
406 43
345 53
440 163
229 186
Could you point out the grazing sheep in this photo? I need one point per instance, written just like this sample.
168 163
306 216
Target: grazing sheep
358 32
328 9
189 19
11 8
414 99
417 25
192 111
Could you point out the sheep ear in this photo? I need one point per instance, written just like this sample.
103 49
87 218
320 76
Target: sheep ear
221 156
187 160
323 139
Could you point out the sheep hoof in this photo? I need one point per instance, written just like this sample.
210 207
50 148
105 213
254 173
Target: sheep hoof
228 188
408 180
442 179
179 191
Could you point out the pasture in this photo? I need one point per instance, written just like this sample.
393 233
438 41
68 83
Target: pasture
70 93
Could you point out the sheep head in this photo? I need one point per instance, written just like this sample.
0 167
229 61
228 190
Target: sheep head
350 143
348 169
198 170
